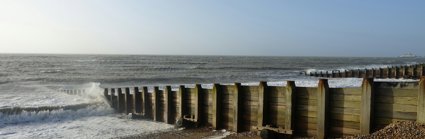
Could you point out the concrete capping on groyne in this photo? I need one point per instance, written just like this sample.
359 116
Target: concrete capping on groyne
406 72
319 112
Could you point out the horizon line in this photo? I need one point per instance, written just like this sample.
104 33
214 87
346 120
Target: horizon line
226 55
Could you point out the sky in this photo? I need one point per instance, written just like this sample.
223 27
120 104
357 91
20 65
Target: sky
382 28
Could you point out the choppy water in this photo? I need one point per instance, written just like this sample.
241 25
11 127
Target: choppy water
34 80
143 69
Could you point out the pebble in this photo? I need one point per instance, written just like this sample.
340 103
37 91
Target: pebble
399 130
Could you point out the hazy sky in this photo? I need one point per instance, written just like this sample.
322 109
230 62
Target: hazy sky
214 27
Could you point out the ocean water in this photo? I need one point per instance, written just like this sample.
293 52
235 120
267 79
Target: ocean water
35 80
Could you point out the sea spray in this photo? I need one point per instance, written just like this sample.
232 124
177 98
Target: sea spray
96 106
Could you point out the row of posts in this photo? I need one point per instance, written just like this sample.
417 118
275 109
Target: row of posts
74 92
138 103
407 72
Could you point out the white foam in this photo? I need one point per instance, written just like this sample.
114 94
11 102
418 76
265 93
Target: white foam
30 95
97 127
96 121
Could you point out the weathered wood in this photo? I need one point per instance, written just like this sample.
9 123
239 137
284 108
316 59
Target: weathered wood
421 101
350 111
355 98
346 124
261 103
147 103
290 100
397 72
198 108
396 115
306 108
366 106
345 104
216 109
180 98
395 107
396 92
156 101
309 102
345 117
346 91
397 100
322 112
137 100
128 101
121 101
105 94
167 105
237 120
114 99
378 121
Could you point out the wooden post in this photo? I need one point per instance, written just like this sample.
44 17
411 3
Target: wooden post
421 71
167 106
397 72
421 101
366 73
237 120
366 113
403 71
359 74
114 99
137 100
181 99
411 71
198 107
128 101
415 72
387 72
147 103
156 100
216 109
121 101
290 104
381 73
322 108
262 99
105 93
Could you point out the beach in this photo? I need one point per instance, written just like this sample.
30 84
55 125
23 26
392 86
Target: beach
34 81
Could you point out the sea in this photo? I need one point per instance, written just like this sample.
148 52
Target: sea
36 80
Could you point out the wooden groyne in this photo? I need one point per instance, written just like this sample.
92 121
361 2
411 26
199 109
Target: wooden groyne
73 91
319 112
406 72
